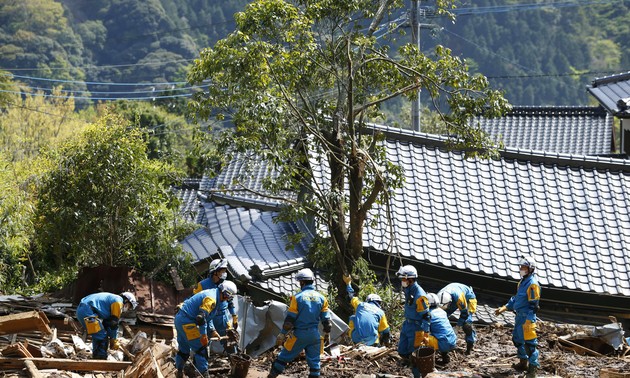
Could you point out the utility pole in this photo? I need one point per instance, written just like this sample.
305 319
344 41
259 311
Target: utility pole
415 39
416 13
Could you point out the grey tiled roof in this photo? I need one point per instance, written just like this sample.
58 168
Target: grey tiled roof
241 181
571 213
287 284
189 207
254 245
613 92
571 130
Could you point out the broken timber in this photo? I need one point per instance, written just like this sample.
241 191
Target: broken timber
578 348
26 321
16 350
64 364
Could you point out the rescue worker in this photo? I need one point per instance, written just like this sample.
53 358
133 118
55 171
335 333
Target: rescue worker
99 314
300 330
368 325
525 303
443 337
415 329
225 318
194 326
457 296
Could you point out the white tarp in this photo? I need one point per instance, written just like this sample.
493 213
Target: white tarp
258 326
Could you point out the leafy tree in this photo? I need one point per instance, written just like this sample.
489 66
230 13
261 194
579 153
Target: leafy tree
36 34
304 78
16 214
105 202
35 121
169 136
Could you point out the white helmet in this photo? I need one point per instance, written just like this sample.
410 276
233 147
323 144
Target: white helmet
305 275
433 299
228 288
527 261
129 297
407 271
444 298
217 264
373 298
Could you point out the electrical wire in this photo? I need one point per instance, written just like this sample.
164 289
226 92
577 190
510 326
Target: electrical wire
152 98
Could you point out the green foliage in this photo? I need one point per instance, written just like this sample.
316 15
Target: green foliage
169 136
106 203
36 34
35 122
16 219
536 56
50 281
392 301
302 80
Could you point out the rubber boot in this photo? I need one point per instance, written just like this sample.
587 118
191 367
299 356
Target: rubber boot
469 348
531 371
273 373
179 374
445 358
521 366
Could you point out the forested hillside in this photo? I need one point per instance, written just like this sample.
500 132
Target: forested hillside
540 52
83 44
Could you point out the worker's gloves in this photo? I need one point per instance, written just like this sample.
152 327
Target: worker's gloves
347 279
200 320
215 335
386 339
235 321
326 326
179 307
424 338
280 339
111 323
326 338
500 310
114 344
204 340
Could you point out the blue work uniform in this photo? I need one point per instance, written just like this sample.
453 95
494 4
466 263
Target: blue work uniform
99 314
525 304
190 329
306 310
443 337
463 299
368 325
221 320
417 319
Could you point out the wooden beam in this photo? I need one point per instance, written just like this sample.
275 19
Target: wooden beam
32 369
64 364
579 348
25 321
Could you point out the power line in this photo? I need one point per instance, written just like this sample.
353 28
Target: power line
35 78
525 7
98 67
34 89
152 98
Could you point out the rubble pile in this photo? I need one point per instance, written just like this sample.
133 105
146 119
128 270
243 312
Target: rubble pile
37 340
